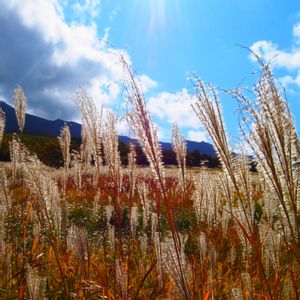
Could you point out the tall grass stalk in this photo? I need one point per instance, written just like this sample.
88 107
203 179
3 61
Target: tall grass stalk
179 146
20 103
2 124
139 233
268 128
142 125
92 124
64 143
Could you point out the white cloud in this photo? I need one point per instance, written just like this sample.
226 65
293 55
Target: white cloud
146 83
162 133
296 31
277 58
50 58
86 10
288 81
123 128
197 136
174 108
288 60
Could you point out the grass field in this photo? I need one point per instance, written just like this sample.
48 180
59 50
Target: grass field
108 232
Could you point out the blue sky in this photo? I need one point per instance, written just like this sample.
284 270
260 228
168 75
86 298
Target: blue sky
52 47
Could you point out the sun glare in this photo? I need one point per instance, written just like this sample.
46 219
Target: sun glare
160 12
157 12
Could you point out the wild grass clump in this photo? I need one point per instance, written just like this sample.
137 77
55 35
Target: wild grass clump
97 230
2 124
20 103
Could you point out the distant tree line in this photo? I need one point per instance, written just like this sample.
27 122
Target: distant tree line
49 152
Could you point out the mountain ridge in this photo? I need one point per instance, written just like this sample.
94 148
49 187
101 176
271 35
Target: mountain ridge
35 125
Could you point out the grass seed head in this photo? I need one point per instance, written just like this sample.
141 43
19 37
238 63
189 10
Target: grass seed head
20 103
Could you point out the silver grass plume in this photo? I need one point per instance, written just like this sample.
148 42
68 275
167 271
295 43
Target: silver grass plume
133 219
92 120
14 151
140 121
42 187
236 294
5 196
20 103
5 206
168 258
244 180
268 128
132 167
207 197
208 109
110 147
271 246
36 284
132 157
146 205
277 148
77 167
111 228
64 143
179 146
18 153
2 124
45 191
86 148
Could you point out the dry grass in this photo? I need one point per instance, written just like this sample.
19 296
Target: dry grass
158 232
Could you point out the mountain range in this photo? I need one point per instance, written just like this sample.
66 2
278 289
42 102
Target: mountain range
38 126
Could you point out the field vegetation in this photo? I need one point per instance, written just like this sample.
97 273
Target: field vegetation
48 151
94 229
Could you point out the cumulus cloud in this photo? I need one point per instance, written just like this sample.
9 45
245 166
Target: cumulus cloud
86 10
288 80
146 83
197 136
50 58
288 60
175 107
296 31
277 58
